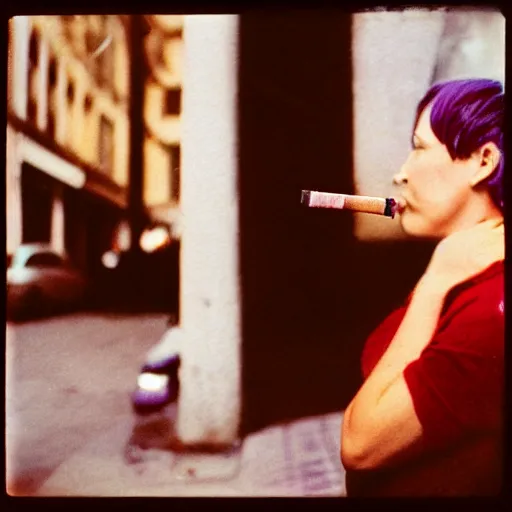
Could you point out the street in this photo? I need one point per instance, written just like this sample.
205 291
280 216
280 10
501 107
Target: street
68 379
70 428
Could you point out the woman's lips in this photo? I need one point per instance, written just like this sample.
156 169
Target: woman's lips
401 205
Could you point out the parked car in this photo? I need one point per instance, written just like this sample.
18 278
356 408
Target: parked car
41 281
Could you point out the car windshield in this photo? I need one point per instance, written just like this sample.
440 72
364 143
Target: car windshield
44 259
20 256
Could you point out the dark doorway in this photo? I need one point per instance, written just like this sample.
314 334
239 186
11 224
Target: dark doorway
75 228
37 190
101 218
295 133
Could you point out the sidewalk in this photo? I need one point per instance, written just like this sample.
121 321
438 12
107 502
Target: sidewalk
295 459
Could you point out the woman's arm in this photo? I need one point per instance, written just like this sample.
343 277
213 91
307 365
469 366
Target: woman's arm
380 422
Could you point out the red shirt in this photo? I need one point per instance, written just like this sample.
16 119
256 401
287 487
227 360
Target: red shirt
457 387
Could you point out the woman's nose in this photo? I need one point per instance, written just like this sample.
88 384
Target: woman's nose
400 177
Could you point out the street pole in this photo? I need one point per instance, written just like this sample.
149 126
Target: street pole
137 77
137 74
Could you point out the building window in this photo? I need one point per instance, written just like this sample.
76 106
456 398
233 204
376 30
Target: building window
106 57
100 46
52 73
173 102
106 65
175 154
106 145
71 92
33 63
88 103
52 84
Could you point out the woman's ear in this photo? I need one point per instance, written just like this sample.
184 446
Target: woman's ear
488 157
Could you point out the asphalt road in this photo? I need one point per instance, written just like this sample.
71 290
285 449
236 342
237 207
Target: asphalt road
68 380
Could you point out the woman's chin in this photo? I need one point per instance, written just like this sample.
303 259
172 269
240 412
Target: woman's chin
413 227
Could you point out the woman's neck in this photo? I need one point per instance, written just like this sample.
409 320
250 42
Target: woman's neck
480 209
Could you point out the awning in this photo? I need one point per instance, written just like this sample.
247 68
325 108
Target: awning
58 168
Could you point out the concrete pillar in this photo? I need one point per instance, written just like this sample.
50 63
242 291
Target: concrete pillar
209 402
13 191
57 234
20 65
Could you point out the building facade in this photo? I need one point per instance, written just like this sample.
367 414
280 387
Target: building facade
68 130
162 118
67 133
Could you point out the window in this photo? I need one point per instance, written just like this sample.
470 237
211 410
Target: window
106 65
33 50
175 154
106 144
91 41
52 83
100 50
45 259
52 73
88 103
71 92
173 102
33 63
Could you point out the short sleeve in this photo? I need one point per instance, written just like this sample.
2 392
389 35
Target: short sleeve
457 384
379 340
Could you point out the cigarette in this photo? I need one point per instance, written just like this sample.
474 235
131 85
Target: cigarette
364 204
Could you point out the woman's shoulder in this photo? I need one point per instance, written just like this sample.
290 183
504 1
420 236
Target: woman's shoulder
486 290
475 310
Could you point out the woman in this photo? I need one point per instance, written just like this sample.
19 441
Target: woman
427 420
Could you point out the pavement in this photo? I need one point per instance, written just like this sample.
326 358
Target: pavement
70 429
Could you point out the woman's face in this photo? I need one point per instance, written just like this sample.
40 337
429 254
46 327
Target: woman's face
435 188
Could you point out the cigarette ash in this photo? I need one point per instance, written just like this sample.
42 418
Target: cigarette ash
305 197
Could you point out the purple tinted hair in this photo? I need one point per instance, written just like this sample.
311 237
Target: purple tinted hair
466 114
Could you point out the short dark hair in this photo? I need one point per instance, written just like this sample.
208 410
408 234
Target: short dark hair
466 114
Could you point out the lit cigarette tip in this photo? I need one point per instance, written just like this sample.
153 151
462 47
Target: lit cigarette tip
391 207
304 199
